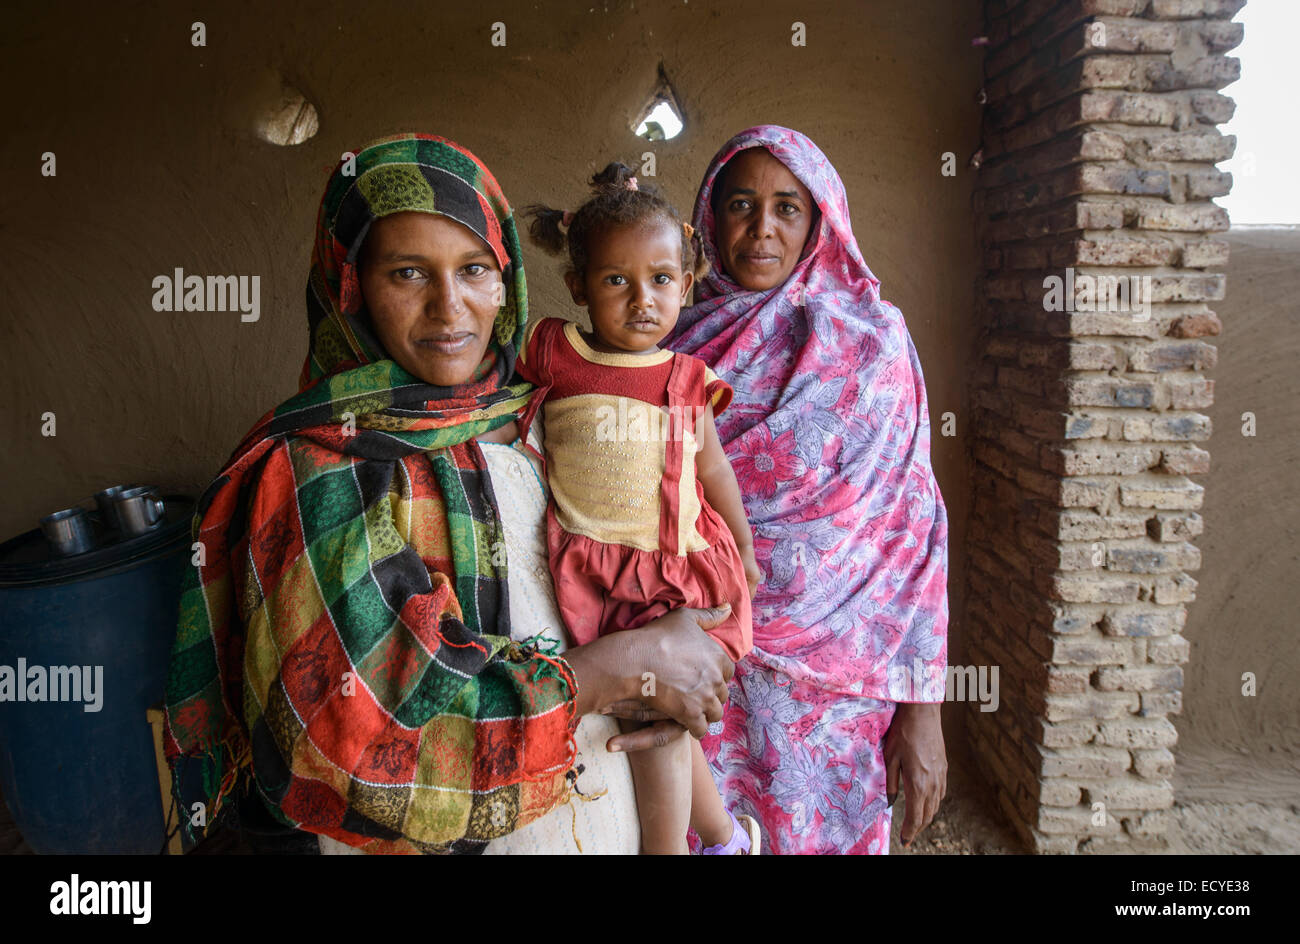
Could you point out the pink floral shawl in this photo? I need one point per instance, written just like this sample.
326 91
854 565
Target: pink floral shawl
829 435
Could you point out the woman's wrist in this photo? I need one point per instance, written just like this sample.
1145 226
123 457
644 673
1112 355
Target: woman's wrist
918 708
594 668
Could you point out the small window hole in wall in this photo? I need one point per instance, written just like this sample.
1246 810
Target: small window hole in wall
288 118
661 117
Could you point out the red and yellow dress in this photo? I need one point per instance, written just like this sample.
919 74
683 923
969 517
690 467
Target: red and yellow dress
630 534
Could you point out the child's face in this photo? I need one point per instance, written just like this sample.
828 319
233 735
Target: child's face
634 286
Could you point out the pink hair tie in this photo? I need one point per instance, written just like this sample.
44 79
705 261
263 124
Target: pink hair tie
631 183
567 218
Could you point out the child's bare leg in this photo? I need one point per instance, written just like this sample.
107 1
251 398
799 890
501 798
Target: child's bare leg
708 818
662 776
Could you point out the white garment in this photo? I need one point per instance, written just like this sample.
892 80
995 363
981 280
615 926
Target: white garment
607 825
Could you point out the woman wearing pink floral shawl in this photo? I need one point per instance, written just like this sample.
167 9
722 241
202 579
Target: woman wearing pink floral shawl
829 436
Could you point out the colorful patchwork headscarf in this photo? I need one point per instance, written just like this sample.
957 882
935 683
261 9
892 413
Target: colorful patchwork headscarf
373 697
829 436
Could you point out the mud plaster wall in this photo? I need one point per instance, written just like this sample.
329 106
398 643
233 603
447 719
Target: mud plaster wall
1244 617
158 167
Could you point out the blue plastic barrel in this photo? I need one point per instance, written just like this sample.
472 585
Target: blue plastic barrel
79 781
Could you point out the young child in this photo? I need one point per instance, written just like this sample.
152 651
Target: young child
645 516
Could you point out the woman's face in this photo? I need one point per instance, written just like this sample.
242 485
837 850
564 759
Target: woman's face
763 215
433 288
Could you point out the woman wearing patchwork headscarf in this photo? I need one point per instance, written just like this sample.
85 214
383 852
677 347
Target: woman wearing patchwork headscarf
369 648
829 437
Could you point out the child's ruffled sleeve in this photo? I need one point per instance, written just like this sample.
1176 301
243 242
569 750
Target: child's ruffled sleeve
717 391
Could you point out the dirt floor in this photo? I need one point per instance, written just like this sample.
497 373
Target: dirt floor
1218 811
968 822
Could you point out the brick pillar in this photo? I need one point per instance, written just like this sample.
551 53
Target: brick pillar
1099 145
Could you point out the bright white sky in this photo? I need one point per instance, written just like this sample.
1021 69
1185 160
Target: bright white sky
1265 172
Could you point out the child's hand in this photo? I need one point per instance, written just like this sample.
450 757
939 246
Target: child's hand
753 576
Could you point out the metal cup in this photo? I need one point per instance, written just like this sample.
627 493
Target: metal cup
105 501
139 509
68 531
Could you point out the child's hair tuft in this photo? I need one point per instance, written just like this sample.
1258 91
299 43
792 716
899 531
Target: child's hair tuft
545 227
618 198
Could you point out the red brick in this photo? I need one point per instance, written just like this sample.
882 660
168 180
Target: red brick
1137 732
1173 650
1207 72
1084 762
1203 325
1212 108
1155 763
1145 678
1208 184
1203 146
1159 704
1190 393
1187 218
1189 9
1163 492
1130 793
1186 460
1167 526
1173 355
1204 253
1144 620
1177 589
